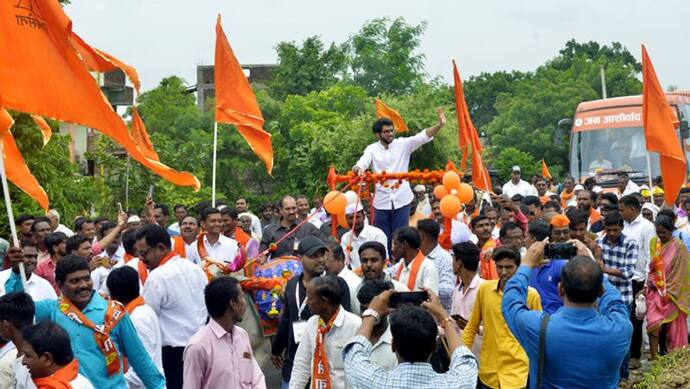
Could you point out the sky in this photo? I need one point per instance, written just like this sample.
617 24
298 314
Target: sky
171 37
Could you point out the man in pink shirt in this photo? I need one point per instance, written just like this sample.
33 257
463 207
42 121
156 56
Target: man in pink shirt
56 246
220 355
465 264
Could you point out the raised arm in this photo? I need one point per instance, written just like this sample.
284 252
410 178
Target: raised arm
432 131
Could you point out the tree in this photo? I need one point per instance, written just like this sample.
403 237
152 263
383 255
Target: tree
510 157
482 91
384 58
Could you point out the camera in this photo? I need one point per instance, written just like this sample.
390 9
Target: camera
560 251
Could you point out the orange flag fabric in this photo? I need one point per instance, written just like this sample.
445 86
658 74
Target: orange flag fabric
468 136
44 127
15 167
236 103
59 85
141 136
659 129
545 170
384 111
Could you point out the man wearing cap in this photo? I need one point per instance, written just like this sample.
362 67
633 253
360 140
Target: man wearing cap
292 328
517 185
423 205
392 201
362 233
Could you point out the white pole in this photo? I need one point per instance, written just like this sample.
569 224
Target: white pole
603 83
649 173
486 184
10 214
215 150
127 185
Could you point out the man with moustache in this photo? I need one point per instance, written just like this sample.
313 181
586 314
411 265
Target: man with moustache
189 230
288 221
212 245
11 281
56 245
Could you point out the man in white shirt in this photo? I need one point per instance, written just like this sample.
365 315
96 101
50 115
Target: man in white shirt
123 284
382 353
54 218
219 248
429 231
180 211
335 265
626 186
326 334
11 281
391 155
16 314
642 231
423 205
363 232
175 290
303 211
517 185
413 269
372 255
241 206
465 266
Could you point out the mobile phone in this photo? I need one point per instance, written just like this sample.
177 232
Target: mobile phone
119 207
150 194
560 251
414 298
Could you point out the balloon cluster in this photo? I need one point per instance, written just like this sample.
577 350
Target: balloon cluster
453 194
335 203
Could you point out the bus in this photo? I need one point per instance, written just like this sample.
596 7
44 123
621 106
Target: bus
606 137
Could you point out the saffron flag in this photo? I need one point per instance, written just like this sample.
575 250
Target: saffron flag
659 129
100 61
468 136
236 103
42 73
141 136
545 170
15 167
384 111
44 127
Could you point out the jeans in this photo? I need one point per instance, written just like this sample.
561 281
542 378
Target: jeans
636 342
389 220
625 366
284 385
173 366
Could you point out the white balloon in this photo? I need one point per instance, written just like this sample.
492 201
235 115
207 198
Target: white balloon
351 197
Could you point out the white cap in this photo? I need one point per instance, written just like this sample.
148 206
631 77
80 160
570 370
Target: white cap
133 219
353 208
420 188
516 168
643 187
579 187
597 189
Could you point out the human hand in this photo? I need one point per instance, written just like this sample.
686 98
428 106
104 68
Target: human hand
582 250
148 210
277 361
15 254
534 257
441 117
433 305
380 303
122 218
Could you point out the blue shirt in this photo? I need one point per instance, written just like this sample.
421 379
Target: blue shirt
85 349
545 280
584 347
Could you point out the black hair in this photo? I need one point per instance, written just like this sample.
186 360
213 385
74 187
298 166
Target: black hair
477 219
613 218
373 245
665 221
154 235
468 254
377 127
517 198
69 264
178 206
414 333
164 209
429 227
27 243
328 287
506 253
232 212
336 250
553 204
265 207
539 229
581 279
685 189
488 209
54 239
610 197
372 288
80 222
38 220
630 201
48 337
107 226
532 200
509 226
129 240
18 309
100 219
73 243
22 218
408 235
218 294
123 284
577 216
623 174
206 212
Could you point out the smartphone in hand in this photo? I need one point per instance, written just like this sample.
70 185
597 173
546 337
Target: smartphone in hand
414 298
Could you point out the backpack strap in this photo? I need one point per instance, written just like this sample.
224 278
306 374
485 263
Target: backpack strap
542 346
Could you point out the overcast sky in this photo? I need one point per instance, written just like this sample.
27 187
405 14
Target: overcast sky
171 37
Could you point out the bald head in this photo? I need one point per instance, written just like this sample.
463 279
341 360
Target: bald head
581 280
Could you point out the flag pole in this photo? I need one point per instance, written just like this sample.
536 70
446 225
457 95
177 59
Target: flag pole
213 174
127 183
649 173
486 183
10 214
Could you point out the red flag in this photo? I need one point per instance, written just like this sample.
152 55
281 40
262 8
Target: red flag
545 170
384 111
41 73
15 167
659 130
44 127
141 136
236 103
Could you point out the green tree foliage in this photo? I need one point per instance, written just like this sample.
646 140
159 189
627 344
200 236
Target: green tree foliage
482 91
510 157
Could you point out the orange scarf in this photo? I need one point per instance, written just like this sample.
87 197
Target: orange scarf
60 379
416 264
132 305
565 197
128 257
113 314
544 199
594 216
320 371
241 237
180 247
488 267
144 271
444 237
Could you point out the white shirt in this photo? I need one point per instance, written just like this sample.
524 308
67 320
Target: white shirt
8 354
225 249
99 276
382 352
175 291
345 326
353 282
522 188
146 323
369 234
424 206
459 232
631 188
21 378
427 276
38 288
394 159
604 164
81 382
64 229
642 230
256 225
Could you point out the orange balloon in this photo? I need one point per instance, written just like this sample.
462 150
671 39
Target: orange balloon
440 191
335 202
465 193
450 206
451 180
342 220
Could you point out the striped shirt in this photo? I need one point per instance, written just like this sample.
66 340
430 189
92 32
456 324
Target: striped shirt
622 255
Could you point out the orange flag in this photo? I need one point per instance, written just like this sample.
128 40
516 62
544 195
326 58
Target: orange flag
44 127
659 129
545 170
15 167
384 111
141 136
59 85
236 103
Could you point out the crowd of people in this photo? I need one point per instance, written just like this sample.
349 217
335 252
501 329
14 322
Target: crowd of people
537 285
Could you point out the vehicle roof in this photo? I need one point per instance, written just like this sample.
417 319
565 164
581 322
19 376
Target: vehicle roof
674 97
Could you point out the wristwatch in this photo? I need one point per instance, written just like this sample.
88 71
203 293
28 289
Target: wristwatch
372 313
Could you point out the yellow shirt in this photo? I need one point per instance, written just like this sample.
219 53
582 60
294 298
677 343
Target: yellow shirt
503 362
